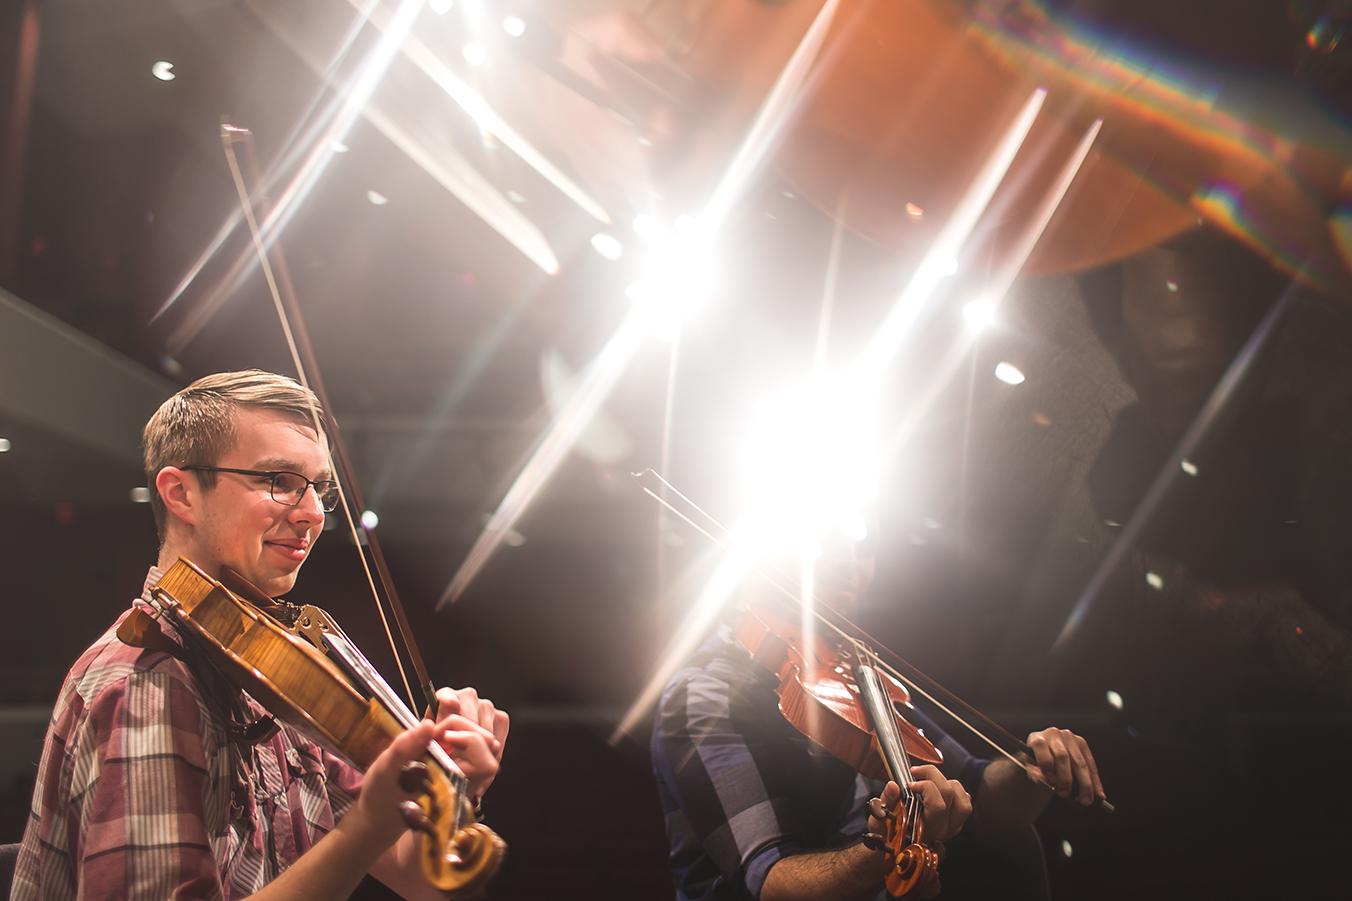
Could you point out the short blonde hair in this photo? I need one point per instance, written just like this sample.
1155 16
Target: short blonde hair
196 426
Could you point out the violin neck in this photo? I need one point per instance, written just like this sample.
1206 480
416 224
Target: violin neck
883 718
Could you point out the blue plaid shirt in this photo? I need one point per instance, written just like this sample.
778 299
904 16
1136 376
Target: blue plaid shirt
742 789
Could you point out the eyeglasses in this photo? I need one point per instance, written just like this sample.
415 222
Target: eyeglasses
286 487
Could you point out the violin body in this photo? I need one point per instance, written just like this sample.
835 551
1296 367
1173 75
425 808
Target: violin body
820 699
296 682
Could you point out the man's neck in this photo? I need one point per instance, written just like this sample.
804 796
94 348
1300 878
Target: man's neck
174 548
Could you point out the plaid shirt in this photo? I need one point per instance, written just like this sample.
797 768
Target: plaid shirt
144 790
742 789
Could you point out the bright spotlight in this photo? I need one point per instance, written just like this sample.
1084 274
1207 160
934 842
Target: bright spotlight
811 468
339 147
607 245
369 520
377 198
140 495
163 70
1114 700
5 445
1189 467
515 26
645 225
1155 581
1009 373
474 54
677 274
1066 849
979 313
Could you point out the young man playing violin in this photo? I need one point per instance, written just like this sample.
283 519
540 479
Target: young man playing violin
149 786
755 810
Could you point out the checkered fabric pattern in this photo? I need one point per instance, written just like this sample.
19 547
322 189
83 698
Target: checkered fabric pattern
742 789
144 790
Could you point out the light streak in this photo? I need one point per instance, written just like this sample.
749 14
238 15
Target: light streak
1000 284
604 371
339 116
732 569
483 115
615 356
947 247
1222 398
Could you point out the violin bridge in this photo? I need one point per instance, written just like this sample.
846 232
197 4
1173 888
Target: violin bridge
312 623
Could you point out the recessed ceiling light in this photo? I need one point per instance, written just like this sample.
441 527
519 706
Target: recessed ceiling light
1009 373
474 54
5 445
377 198
163 70
607 246
514 26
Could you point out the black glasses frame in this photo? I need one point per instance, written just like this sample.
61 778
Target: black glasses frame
325 489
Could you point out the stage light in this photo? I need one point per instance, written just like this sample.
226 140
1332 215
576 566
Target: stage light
1189 467
645 225
369 520
677 275
1009 373
163 70
915 211
607 245
338 147
1172 286
979 313
1155 581
1065 848
140 495
810 467
1114 700
514 26
377 198
5 445
474 53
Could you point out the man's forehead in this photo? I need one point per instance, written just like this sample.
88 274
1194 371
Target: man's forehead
278 440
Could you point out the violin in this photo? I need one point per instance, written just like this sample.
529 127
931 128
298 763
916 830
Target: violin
311 676
831 693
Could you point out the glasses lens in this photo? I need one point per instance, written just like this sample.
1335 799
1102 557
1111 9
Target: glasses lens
287 488
328 495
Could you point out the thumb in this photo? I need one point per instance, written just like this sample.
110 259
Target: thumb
891 795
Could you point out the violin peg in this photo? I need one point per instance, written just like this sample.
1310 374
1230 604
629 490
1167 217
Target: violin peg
414 817
873 841
413 776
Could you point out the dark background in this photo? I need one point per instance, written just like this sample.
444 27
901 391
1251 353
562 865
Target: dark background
1226 759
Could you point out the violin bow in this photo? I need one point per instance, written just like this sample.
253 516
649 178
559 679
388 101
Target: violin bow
280 286
657 487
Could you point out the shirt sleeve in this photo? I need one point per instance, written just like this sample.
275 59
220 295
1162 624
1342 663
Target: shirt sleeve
709 763
136 787
959 763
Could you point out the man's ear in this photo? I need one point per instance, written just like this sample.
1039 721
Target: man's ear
179 493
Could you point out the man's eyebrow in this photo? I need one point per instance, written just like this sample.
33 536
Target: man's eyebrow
276 464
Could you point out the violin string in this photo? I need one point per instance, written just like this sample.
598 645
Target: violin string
791 595
266 265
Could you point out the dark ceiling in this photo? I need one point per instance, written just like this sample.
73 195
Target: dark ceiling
432 331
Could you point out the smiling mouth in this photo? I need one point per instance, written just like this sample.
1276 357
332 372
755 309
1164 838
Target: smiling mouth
295 553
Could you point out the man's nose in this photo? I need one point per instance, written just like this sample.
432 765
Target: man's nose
309 507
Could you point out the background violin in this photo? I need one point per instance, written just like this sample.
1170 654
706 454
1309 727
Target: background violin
829 691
